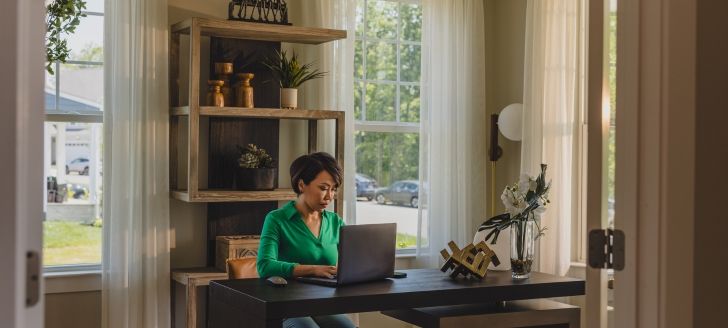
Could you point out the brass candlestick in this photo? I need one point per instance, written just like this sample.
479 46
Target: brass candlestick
244 91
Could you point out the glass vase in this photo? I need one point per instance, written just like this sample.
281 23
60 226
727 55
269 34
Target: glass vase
523 243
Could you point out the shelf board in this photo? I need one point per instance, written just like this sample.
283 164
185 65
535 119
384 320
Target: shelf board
261 113
212 196
198 276
259 31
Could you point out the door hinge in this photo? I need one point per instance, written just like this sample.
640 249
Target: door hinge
32 278
606 249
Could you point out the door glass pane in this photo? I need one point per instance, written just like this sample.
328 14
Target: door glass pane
386 163
73 200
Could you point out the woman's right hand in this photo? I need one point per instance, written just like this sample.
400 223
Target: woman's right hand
325 271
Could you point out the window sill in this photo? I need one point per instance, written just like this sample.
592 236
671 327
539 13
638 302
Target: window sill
72 281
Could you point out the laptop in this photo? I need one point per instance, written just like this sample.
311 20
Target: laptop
366 253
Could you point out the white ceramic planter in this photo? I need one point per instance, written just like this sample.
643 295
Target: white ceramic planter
502 248
289 98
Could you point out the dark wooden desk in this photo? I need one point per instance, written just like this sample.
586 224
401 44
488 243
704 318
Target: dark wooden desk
253 303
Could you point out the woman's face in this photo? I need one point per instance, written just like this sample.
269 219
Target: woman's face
320 192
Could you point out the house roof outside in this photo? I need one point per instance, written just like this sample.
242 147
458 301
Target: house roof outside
81 90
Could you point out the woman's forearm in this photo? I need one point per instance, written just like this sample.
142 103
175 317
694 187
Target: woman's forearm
301 270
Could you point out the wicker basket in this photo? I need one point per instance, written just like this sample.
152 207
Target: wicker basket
233 247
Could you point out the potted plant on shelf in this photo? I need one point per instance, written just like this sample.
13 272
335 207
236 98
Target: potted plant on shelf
290 74
256 170
525 202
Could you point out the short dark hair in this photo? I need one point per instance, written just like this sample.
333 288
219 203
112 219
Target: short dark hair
307 167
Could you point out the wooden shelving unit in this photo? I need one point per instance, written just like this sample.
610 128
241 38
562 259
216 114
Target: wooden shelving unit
196 28
230 210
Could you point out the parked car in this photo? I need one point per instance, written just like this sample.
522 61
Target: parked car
79 165
365 186
404 192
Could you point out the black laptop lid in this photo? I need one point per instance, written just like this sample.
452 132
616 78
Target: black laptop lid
366 252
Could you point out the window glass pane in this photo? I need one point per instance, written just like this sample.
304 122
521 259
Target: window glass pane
86 43
380 101
359 21
411 23
73 216
386 159
409 104
410 60
82 88
358 87
358 60
50 91
381 19
381 61
95 5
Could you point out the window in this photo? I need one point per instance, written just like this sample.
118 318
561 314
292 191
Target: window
387 114
72 150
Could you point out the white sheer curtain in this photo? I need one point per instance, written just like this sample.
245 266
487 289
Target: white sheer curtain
135 290
335 90
550 104
453 120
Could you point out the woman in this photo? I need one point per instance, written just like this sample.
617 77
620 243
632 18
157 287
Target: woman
301 238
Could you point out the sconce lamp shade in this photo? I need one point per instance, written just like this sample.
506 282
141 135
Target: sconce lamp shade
510 122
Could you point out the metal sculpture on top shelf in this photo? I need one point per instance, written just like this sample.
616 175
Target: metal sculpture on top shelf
259 11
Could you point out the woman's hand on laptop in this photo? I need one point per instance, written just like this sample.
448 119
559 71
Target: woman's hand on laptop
325 271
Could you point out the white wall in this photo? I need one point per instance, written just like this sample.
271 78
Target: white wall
505 37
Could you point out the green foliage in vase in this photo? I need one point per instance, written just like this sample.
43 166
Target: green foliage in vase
253 157
289 72
524 201
62 18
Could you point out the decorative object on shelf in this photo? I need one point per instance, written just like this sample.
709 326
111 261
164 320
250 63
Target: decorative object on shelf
525 201
259 11
290 74
234 247
244 91
473 260
62 18
223 71
214 94
256 169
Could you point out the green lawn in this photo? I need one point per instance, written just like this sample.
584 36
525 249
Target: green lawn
67 242
405 240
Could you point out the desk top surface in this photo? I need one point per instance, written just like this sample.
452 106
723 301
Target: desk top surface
422 287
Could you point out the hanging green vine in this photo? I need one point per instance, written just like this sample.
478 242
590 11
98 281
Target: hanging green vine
62 18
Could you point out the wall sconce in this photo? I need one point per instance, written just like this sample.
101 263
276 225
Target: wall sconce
510 123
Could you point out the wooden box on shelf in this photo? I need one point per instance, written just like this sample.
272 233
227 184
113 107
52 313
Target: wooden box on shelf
233 247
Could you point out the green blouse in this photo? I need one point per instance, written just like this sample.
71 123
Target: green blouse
286 241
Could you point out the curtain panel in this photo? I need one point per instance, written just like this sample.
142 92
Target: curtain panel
453 119
551 101
135 269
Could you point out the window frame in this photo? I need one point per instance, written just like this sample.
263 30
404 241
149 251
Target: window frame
55 115
361 124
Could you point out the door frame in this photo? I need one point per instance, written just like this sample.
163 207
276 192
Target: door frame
22 33
655 167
